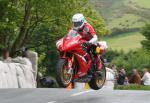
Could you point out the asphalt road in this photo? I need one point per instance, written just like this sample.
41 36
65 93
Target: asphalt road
72 96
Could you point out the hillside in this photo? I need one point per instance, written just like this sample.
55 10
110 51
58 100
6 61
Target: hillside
123 13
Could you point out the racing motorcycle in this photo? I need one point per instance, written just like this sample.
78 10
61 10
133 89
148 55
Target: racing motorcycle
72 66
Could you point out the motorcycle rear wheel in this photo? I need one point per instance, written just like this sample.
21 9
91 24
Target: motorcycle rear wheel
98 79
62 77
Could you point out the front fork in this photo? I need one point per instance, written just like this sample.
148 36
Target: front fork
70 61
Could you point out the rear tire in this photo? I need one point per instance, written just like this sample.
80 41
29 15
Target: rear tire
61 74
97 83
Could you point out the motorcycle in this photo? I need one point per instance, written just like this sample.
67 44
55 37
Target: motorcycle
72 65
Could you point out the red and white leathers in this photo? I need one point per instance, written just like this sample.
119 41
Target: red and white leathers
89 34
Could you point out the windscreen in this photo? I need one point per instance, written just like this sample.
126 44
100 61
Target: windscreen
72 33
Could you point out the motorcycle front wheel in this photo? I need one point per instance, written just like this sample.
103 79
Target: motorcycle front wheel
98 79
62 77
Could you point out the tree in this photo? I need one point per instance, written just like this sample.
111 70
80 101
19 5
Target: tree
40 23
146 33
9 20
133 60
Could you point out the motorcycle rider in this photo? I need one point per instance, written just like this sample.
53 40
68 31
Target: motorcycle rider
88 33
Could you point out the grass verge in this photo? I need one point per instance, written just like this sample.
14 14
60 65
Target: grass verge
132 87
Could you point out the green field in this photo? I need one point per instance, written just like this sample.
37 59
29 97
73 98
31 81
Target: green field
125 41
127 21
142 3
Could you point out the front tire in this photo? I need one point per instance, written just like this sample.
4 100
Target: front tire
62 77
98 79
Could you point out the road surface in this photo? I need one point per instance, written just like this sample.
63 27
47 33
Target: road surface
72 96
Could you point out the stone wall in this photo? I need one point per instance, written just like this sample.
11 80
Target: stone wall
20 73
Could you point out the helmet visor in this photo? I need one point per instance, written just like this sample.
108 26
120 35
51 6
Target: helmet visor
77 24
